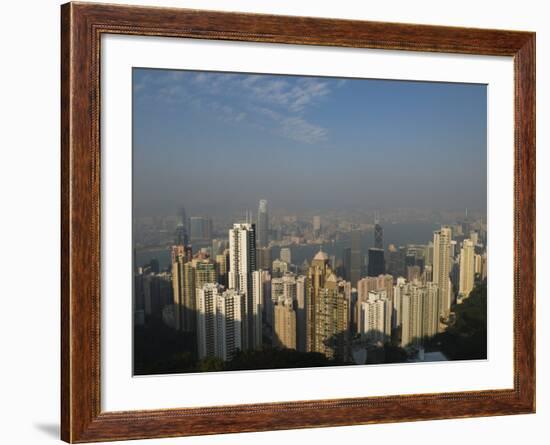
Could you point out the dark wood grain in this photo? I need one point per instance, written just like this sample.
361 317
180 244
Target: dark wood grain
81 28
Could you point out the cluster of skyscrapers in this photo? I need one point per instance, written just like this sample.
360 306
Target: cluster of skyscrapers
235 298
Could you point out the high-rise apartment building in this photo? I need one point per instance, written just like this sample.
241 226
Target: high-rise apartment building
418 312
206 320
230 317
242 262
327 310
467 271
284 335
371 284
442 268
368 284
375 314
263 224
187 275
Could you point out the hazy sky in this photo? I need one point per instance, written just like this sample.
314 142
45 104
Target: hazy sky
217 142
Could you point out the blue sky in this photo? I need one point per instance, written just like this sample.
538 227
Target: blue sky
218 142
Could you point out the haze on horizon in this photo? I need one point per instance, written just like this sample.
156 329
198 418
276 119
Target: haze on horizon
219 142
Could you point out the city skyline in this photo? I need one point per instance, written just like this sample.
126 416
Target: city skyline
214 129
229 305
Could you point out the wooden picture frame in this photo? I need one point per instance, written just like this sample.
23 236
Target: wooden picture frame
82 25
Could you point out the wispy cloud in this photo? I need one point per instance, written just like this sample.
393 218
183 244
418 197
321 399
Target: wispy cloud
300 130
277 104
293 127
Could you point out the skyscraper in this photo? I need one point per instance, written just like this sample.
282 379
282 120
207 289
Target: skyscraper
377 264
374 324
466 269
263 224
442 268
356 259
316 277
187 275
178 292
419 312
285 324
206 320
229 321
242 262
367 285
327 310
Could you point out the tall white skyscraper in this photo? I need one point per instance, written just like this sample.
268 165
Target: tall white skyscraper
242 262
442 268
467 269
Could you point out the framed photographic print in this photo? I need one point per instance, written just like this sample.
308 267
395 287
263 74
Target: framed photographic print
274 222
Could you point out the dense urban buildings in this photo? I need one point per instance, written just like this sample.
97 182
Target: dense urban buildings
229 297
